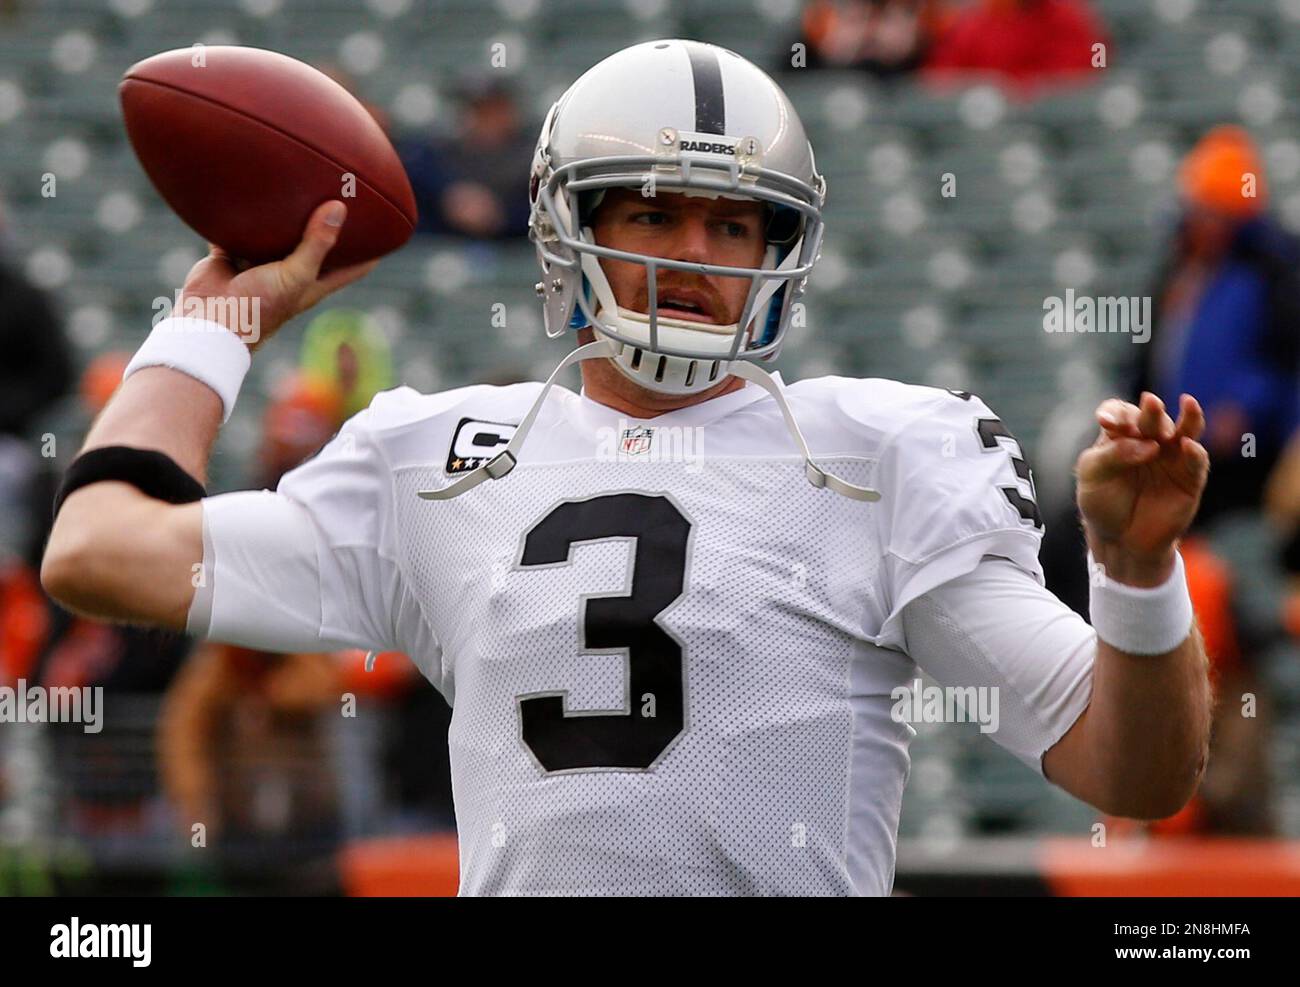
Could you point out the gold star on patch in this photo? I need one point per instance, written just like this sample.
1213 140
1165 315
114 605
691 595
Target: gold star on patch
455 464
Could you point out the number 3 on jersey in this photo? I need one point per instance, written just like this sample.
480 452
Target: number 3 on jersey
655 702
989 431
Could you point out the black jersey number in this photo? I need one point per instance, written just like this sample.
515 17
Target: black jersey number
992 429
632 740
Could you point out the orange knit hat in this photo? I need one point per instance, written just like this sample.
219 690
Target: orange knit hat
1222 171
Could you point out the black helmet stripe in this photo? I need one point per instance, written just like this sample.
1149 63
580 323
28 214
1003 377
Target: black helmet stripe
710 107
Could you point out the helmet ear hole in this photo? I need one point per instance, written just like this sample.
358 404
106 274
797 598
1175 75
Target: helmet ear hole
588 203
783 225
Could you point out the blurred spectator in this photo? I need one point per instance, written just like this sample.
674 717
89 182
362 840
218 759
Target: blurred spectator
299 420
883 37
26 614
472 183
244 750
107 779
1226 324
35 372
346 347
1025 44
37 367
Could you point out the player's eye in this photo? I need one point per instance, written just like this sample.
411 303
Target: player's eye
652 217
734 229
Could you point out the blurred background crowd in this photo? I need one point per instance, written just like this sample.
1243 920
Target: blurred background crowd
982 156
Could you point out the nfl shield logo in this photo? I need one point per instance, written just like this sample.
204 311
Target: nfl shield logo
636 441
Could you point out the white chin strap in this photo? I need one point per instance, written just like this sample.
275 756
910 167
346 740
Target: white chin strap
504 461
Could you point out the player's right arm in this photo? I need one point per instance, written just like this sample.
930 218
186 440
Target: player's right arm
117 554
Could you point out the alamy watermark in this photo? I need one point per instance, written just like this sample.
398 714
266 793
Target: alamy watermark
919 703
1089 313
54 704
102 940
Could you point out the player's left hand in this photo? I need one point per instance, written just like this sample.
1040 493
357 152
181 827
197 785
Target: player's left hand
1140 483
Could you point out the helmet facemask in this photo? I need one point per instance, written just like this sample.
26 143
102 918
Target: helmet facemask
665 354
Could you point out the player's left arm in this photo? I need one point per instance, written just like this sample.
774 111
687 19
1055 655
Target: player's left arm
1140 747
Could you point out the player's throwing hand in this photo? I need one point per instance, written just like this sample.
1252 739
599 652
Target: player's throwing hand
1140 483
284 287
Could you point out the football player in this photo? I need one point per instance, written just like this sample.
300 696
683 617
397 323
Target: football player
671 612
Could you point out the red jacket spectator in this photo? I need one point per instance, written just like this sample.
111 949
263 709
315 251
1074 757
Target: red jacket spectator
1026 42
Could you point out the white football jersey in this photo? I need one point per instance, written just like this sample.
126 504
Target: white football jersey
669 656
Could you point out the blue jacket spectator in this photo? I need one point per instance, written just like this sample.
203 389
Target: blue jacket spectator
472 184
1227 320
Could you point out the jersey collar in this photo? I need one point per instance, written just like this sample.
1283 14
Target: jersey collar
587 412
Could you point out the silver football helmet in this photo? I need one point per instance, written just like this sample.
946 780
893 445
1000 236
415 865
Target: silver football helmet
679 117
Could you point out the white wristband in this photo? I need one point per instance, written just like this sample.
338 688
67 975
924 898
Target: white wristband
1137 619
204 350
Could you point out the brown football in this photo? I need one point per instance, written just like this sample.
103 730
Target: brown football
244 143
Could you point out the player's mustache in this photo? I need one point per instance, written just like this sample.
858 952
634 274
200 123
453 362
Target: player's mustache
706 295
